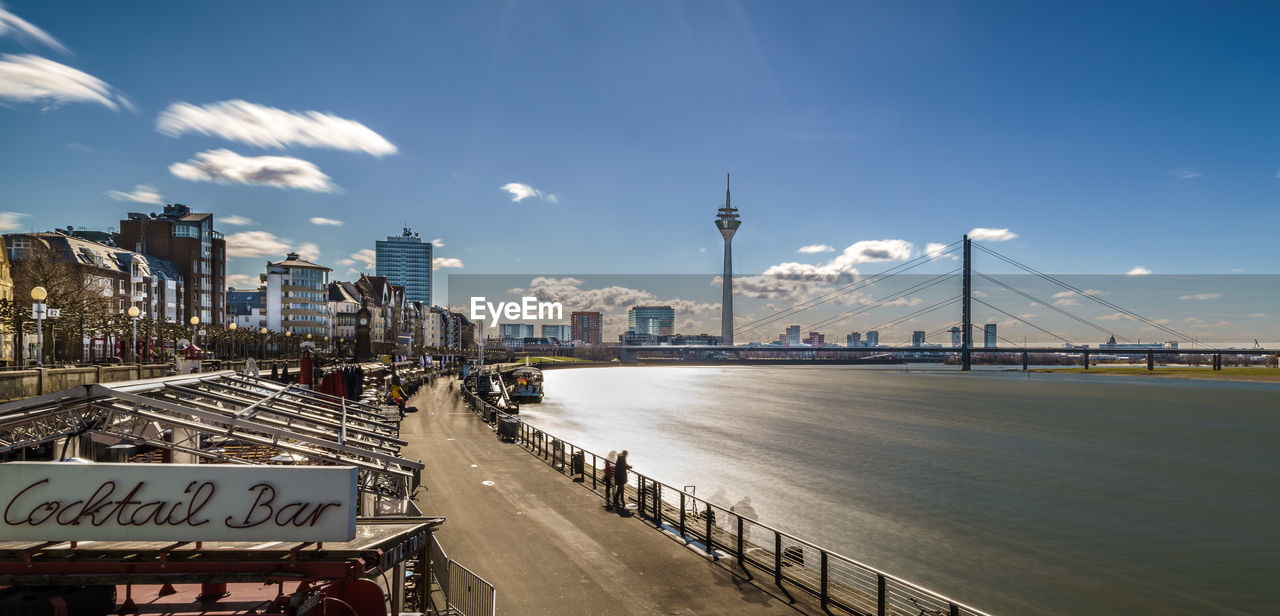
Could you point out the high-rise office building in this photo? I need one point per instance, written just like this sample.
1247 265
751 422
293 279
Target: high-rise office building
199 253
297 298
654 320
563 333
917 338
873 338
793 335
989 334
957 337
405 260
515 330
853 340
815 339
588 327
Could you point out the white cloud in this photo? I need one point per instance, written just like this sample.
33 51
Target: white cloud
983 234
935 250
235 280
308 252
141 194
813 248
1067 302
1257 315
23 29
29 79
440 262
268 127
224 166
438 242
365 255
520 192
1186 173
255 244
320 220
9 221
1138 270
1116 316
702 250
1201 296
237 221
865 251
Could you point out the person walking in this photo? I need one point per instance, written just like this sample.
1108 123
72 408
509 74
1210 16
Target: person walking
620 469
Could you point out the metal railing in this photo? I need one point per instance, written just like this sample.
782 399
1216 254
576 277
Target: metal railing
465 592
838 583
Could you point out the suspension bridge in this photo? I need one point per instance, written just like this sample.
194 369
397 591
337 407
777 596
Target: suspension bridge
965 350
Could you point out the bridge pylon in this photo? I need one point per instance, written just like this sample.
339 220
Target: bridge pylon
966 312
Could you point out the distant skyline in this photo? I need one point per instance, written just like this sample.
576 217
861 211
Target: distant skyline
1080 138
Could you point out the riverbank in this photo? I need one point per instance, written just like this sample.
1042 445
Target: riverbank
1228 373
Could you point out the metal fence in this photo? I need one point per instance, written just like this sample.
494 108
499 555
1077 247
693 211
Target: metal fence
838 583
465 592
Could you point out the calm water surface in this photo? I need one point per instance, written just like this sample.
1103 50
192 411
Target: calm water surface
1057 494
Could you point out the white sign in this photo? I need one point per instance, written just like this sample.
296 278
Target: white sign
55 313
63 501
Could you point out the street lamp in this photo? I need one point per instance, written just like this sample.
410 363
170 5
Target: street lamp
287 338
37 310
232 327
262 344
194 322
133 314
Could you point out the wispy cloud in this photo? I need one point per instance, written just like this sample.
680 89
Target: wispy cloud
141 194
813 248
365 256
1200 296
322 221
32 79
1138 270
440 262
865 251
268 127
1186 173
438 242
256 244
935 250
23 30
1257 315
520 192
10 221
236 280
227 167
308 252
237 221
983 234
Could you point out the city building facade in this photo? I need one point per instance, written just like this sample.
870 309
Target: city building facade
405 260
297 297
654 320
917 338
563 333
588 327
989 335
199 253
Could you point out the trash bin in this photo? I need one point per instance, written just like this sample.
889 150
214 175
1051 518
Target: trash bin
579 465
508 428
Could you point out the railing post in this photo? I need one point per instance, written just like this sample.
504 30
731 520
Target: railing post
639 493
682 533
777 558
881 595
711 542
594 462
657 502
824 580
741 552
955 610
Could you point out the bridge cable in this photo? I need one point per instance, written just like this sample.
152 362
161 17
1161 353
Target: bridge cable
1095 298
1050 306
849 288
885 300
1019 319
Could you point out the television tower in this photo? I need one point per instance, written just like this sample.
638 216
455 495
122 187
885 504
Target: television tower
727 221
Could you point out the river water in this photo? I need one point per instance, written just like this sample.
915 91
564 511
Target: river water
1054 494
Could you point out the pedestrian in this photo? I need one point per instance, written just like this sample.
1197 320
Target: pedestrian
608 479
620 469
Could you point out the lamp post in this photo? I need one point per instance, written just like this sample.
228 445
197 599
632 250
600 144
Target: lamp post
37 310
232 327
194 322
326 344
288 336
262 343
133 314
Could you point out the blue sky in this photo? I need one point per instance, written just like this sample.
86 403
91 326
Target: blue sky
1104 137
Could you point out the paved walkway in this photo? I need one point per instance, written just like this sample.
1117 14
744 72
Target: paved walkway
546 543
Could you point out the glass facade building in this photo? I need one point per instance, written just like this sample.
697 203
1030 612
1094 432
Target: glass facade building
653 320
405 260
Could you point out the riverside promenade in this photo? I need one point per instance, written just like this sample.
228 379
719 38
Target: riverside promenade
546 543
